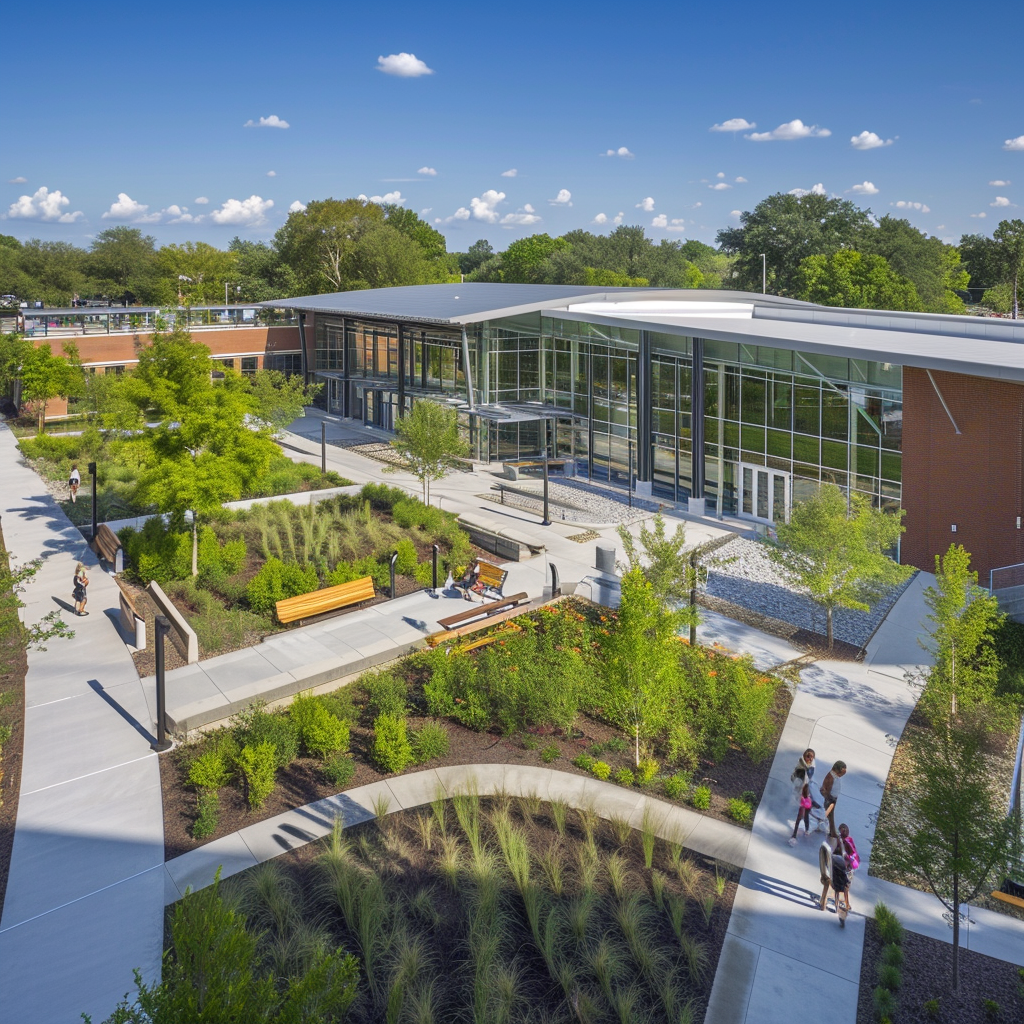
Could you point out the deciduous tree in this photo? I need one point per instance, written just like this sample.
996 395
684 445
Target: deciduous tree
1009 236
429 443
852 279
126 258
45 376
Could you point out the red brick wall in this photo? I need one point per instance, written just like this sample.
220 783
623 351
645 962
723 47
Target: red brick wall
972 479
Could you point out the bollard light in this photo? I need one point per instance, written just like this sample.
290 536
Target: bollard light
323 447
434 569
163 627
547 519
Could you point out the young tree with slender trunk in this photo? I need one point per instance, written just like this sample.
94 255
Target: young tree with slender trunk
429 443
835 548
45 376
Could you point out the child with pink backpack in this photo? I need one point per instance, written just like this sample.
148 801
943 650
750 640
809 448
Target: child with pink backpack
803 813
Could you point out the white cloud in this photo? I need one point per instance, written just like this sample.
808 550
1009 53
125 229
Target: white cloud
869 140
601 218
735 213
741 180
998 183
388 197
720 186
1001 201
814 190
428 171
510 173
617 219
178 215
865 188
202 200
297 207
17 181
403 65
564 198
125 208
271 174
695 205
981 215
661 221
43 205
251 212
273 121
425 211
1014 145
525 215
622 151
905 204
484 206
677 224
734 124
720 174
794 129
647 205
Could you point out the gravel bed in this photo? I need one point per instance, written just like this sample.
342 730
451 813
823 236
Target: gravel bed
573 503
747 576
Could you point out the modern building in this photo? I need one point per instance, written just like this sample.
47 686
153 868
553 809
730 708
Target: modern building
732 403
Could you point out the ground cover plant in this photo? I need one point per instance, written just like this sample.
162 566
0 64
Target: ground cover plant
534 697
493 910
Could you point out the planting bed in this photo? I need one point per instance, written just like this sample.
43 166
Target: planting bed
926 975
500 910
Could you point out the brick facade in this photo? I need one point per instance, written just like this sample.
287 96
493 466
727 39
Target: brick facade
972 479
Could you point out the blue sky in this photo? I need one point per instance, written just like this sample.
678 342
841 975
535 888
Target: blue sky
599 109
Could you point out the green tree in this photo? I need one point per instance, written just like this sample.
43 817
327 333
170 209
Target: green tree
662 559
788 229
261 272
965 672
14 350
851 279
982 260
383 257
45 376
835 550
126 259
949 826
278 398
195 272
57 270
641 661
429 443
1010 238
431 242
523 260
477 254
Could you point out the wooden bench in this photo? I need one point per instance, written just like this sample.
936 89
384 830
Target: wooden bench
491 576
484 610
305 606
1014 901
108 547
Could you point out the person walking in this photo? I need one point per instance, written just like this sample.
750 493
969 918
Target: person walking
831 787
841 885
79 593
803 813
848 848
804 772
74 482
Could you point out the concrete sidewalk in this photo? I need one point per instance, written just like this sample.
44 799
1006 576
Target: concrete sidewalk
85 892
274 836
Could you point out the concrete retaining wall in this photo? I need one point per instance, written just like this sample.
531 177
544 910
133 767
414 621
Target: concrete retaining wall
186 634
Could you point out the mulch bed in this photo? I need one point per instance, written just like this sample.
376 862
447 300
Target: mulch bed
13 667
927 972
302 783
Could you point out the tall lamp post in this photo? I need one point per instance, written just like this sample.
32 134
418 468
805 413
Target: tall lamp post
162 743
764 274
92 470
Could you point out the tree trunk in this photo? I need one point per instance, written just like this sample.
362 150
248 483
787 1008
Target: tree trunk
956 916
636 734
195 544
828 626
42 417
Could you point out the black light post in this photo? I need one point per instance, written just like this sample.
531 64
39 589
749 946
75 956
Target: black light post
434 570
162 743
323 447
547 519
630 483
394 559
92 470
556 586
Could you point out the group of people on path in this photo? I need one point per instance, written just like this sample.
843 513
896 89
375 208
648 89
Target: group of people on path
837 855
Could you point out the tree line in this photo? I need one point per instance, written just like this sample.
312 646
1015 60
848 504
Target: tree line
819 248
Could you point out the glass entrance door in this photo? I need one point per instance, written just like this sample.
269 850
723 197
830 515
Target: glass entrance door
764 493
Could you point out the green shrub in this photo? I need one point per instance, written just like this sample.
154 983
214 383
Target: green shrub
386 693
624 777
257 766
701 798
884 1002
677 786
991 1008
338 769
209 814
552 752
6 731
424 574
931 1007
530 742
646 772
617 745
405 565
601 769
584 761
341 703
429 741
346 572
892 955
890 977
209 770
392 751
321 732
163 552
256 725
741 811
381 497
888 924
277 580
750 796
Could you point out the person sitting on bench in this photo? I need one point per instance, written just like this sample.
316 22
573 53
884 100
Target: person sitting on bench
470 582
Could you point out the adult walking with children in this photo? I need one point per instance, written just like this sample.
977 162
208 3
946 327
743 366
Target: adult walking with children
831 787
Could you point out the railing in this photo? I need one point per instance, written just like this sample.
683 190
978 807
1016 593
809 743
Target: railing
39 323
1005 577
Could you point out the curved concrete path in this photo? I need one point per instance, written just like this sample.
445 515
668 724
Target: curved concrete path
288 831
86 884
